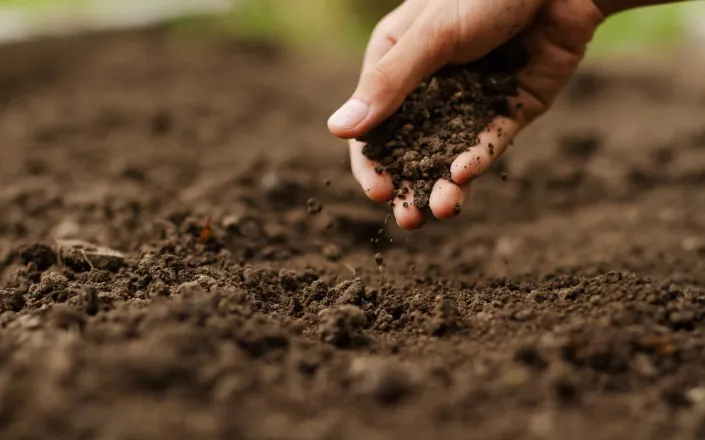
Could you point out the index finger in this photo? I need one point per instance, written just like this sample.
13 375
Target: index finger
389 30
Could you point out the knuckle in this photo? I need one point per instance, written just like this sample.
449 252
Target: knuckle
379 81
383 28
386 29
445 37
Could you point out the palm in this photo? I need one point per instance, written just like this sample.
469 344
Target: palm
555 34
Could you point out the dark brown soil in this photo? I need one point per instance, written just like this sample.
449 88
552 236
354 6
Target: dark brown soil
441 119
567 302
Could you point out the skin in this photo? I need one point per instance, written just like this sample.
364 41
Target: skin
421 36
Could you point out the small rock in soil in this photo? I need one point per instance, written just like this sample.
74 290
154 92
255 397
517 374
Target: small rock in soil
441 119
379 258
82 256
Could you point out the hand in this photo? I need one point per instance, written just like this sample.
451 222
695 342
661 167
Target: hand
420 37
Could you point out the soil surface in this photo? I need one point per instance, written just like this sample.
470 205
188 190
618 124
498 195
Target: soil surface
185 255
441 119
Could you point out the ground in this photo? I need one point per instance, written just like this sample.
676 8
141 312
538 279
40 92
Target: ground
567 301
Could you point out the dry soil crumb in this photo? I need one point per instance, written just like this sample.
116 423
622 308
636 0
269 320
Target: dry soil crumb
341 325
442 118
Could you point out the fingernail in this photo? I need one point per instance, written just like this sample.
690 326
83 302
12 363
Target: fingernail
349 115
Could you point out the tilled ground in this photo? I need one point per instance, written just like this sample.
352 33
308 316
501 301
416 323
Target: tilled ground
566 302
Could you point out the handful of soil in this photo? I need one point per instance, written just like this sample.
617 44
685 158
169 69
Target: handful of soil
442 118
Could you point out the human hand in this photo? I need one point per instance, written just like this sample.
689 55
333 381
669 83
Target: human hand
420 37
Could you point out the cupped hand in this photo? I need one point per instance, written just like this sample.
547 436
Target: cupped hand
420 37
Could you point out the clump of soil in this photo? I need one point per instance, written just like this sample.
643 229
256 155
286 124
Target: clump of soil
442 118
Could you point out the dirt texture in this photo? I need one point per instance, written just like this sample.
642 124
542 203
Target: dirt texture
184 254
441 119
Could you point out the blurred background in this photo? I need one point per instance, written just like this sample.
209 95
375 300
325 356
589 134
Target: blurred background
335 25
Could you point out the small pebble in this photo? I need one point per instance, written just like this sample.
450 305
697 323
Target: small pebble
379 258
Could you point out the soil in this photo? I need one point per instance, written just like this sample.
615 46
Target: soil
163 274
441 119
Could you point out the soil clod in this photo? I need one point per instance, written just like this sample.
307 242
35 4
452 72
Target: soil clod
41 255
341 325
446 318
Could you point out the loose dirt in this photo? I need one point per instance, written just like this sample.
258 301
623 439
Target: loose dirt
163 275
441 119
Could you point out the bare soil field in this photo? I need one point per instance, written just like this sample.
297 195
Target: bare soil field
184 254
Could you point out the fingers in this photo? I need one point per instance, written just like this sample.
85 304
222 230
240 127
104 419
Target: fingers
378 187
493 142
389 30
426 46
485 25
445 202
447 199
408 216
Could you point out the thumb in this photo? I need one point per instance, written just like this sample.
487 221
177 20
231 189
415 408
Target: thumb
426 47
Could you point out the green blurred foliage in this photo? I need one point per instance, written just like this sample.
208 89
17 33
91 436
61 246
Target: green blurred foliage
652 28
346 24
34 4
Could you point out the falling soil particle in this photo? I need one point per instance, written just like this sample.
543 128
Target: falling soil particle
313 206
331 252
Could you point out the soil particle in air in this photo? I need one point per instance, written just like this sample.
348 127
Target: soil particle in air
441 119
313 206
